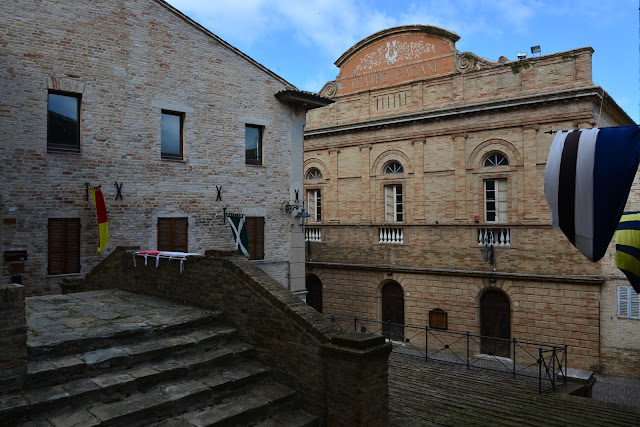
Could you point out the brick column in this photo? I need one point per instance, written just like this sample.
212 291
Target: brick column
460 185
418 177
365 199
13 338
332 189
357 380
528 194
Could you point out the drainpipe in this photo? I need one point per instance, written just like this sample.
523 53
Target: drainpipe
599 333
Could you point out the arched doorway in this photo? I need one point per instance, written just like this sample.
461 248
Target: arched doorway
393 311
495 321
314 292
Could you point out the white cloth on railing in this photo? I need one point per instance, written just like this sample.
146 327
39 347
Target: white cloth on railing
182 256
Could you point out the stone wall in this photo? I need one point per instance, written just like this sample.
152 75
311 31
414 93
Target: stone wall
129 60
552 312
343 379
13 338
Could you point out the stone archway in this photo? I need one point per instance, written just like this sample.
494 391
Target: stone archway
495 322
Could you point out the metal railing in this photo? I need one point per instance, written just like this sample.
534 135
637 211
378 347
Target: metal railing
547 363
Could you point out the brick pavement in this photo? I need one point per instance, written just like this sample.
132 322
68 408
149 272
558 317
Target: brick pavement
423 394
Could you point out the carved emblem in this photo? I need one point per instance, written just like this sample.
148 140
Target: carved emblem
393 52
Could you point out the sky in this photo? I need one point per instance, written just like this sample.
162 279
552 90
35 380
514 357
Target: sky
301 39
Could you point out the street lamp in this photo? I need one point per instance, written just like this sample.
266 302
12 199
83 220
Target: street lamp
488 254
301 218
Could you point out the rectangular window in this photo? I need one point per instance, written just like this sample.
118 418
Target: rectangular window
255 236
628 303
64 246
173 234
63 122
393 203
172 124
314 204
495 200
253 144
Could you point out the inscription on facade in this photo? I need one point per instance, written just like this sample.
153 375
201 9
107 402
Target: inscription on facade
397 75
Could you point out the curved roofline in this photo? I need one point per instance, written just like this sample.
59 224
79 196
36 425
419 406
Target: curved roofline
428 29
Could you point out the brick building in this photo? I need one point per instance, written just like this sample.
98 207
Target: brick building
430 154
172 122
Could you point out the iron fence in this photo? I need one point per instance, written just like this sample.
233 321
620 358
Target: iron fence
547 363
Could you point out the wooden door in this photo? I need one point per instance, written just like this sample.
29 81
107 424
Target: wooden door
495 321
314 292
393 311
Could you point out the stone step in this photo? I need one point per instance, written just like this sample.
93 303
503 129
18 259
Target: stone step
65 368
166 400
121 383
249 408
83 340
290 418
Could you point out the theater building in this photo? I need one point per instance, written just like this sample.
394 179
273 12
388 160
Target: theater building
176 127
428 155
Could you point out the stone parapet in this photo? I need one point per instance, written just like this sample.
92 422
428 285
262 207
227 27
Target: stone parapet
13 338
340 378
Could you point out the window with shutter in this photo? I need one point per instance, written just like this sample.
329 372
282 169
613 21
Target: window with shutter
495 200
628 303
393 203
314 205
64 246
255 236
173 234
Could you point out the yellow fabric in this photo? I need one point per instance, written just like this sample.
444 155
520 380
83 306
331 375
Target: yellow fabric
103 227
627 262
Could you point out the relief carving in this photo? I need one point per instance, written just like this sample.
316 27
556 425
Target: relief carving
393 52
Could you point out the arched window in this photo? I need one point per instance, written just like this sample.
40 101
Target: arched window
314 174
495 159
393 167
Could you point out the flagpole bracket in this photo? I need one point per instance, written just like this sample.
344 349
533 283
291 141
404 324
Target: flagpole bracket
290 207
226 215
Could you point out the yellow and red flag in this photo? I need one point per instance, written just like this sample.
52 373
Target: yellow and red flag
103 224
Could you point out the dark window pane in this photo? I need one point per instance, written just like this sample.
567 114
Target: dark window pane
171 135
63 130
253 144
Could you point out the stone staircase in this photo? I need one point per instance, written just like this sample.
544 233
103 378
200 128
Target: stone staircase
194 371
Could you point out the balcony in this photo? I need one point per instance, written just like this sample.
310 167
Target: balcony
494 236
312 234
392 235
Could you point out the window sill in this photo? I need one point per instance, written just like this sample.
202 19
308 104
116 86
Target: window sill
253 165
64 275
62 151
173 160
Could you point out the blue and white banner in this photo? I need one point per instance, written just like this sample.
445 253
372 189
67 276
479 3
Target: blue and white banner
587 181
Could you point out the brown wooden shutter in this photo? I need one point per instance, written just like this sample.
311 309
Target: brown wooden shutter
55 262
64 245
259 238
72 249
164 234
180 234
255 236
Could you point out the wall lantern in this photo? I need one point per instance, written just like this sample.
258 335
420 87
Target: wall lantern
301 218
488 254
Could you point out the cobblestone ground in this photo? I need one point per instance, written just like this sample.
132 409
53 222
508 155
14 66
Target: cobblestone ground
436 393
621 390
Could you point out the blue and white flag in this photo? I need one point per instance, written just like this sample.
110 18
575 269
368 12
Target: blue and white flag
587 181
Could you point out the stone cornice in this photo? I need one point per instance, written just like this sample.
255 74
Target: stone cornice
583 280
